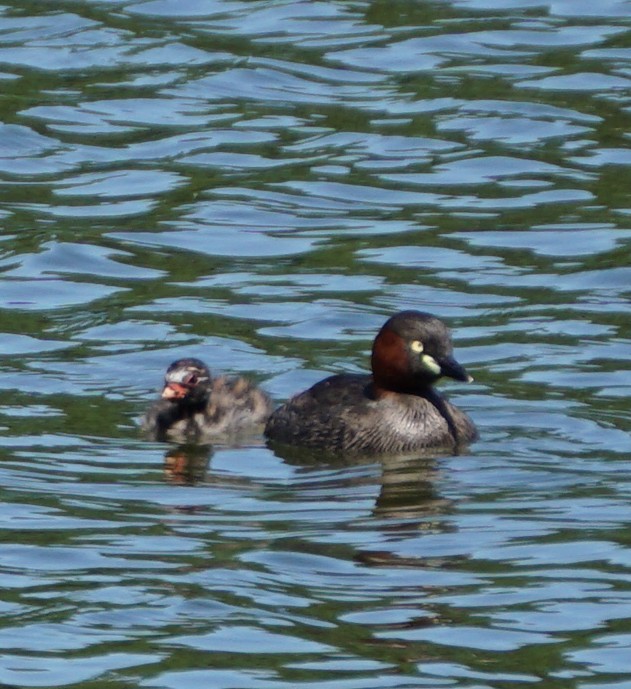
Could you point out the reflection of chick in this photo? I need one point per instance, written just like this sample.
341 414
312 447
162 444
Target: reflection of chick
196 408
187 464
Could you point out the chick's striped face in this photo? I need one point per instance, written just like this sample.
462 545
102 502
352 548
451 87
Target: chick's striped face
181 380
189 377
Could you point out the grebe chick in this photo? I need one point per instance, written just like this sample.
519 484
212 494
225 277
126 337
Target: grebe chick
197 408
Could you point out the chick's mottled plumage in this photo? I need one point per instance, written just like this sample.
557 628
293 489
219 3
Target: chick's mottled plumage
196 408
393 411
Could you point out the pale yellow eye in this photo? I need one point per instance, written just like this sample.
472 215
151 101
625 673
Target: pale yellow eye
417 346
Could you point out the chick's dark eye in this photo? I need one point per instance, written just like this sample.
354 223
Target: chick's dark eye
191 379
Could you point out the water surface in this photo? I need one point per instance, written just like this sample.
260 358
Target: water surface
261 184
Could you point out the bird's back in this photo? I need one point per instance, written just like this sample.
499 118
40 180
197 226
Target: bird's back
341 415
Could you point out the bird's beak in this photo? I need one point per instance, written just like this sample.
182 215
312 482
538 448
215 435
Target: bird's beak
450 367
174 391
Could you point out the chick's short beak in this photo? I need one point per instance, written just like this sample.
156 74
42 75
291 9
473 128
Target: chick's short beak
174 391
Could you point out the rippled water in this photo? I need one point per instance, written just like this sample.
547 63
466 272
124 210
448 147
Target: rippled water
261 184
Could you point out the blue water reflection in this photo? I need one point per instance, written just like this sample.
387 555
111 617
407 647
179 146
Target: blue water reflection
260 185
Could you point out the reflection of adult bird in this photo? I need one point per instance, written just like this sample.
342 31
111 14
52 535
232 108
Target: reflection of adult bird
393 411
195 407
